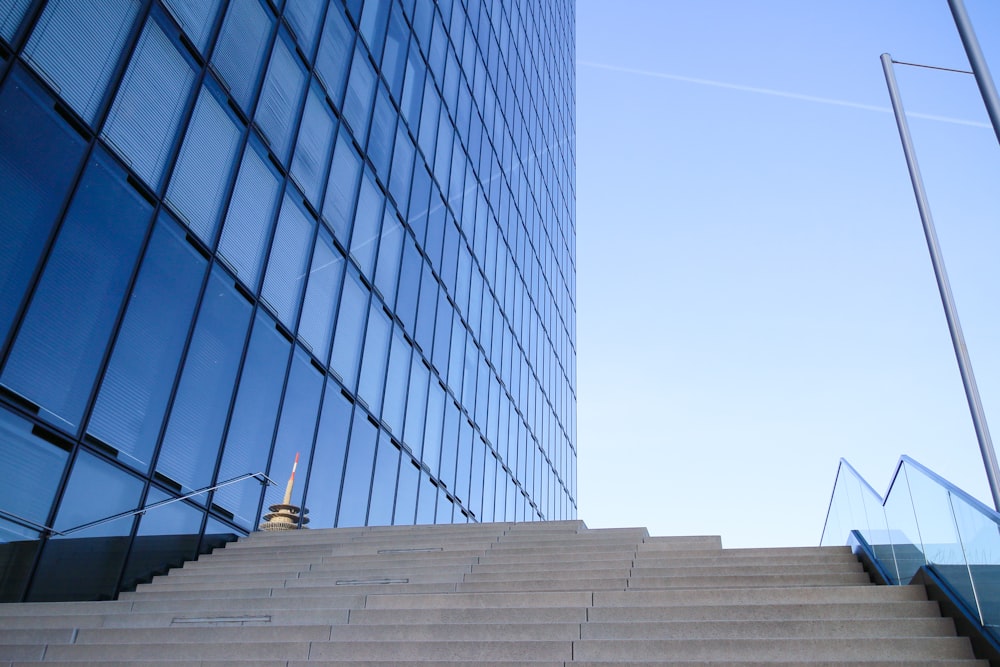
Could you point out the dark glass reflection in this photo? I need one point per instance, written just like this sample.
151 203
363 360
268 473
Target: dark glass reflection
87 565
61 343
357 472
194 430
327 469
39 158
136 387
255 413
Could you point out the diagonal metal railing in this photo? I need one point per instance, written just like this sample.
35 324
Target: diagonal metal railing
49 530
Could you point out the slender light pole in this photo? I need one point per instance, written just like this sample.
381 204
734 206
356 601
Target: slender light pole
978 63
950 312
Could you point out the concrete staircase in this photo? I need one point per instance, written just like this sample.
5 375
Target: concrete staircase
552 593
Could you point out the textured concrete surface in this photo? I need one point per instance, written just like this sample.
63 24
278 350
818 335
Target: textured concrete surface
503 594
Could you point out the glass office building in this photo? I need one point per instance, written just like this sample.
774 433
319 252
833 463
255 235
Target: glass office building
240 232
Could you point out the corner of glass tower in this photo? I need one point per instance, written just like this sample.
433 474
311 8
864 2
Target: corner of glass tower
239 234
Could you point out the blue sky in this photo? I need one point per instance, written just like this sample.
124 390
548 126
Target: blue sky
754 294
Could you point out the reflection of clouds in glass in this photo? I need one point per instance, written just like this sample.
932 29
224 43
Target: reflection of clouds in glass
780 93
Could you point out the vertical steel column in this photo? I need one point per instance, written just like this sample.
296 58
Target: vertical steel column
979 67
950 312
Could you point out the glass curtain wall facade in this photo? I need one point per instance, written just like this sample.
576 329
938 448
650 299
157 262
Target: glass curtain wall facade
237 232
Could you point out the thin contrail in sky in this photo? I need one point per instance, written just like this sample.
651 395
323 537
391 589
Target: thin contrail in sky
779 93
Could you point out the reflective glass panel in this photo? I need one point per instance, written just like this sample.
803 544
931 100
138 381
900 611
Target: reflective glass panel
143 121
341 191
358 472
303 18
383 483
34 464
95 490
382 133
312 149
426 501
334 55
242 47
397 380
76 45
364 239
409 284
431 452
394 53
406 492
372 27
373 364
248 442
390 246
346 355
62 340
280 98
251 215
328 459
167 537
200 180
196 18
136 387
287 265
194 430
11 14
39 158
360 95
416 405
325 275
295 428
402 169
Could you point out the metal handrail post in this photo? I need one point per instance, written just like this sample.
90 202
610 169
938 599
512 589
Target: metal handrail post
979 67
944 287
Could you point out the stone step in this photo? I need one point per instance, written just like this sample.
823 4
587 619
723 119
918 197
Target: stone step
469 616
9 635
426 575
783 650
776 611
189 618
750 580
848 567
785 628
548 565
669 542
61 608
197 606
541 585
506 663
723 558
769 595
190 634
495 557
339 651
555 574
496 600
805 662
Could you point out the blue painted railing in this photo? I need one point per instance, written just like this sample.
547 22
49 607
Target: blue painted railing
923 520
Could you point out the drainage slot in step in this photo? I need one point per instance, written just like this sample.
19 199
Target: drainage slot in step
214 620
409 551
364 582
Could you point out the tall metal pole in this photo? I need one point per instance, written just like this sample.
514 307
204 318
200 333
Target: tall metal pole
979 67
950 312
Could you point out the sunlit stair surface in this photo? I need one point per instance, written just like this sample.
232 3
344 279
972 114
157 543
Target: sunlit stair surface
548 593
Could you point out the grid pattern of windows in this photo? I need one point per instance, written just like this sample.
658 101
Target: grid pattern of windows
241 231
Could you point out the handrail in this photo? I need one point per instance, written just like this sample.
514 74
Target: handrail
28 523
922 521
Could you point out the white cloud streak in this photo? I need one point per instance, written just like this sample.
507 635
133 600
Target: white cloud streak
778 93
